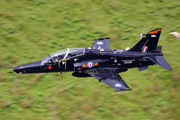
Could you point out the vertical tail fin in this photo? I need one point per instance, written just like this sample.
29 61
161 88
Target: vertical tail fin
148 42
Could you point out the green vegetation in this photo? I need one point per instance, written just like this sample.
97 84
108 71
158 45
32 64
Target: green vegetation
32 29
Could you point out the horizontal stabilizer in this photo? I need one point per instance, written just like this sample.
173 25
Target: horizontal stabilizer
160 60
143 68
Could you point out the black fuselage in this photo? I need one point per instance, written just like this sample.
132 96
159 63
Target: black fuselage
115 59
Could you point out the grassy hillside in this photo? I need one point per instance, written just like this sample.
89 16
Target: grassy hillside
32 29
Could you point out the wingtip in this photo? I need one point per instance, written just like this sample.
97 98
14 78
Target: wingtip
170 69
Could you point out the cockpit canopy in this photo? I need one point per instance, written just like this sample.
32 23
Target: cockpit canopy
64 54
59 55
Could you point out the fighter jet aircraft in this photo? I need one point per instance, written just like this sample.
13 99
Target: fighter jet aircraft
101 62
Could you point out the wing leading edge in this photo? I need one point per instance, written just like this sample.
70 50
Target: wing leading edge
109 77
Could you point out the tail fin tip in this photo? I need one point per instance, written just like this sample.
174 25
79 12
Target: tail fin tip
155 31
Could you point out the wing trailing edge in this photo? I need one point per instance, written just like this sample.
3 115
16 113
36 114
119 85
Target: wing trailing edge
143 68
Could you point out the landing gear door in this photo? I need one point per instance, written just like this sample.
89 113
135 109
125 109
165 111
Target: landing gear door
62 65
66 65
69 65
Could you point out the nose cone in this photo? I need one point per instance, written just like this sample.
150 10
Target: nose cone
33 67
17 69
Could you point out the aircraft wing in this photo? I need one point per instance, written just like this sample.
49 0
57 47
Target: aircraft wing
109 77
101 43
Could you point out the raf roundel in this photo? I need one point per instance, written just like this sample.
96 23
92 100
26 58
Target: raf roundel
118 85
99 43
90 64
50 67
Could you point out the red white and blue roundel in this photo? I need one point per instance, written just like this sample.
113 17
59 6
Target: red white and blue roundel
118 85
90 64
99 43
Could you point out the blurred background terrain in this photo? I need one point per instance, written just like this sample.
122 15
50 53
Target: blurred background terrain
32 29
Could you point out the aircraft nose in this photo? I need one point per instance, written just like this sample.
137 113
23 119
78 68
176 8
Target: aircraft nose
17 69
33 67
